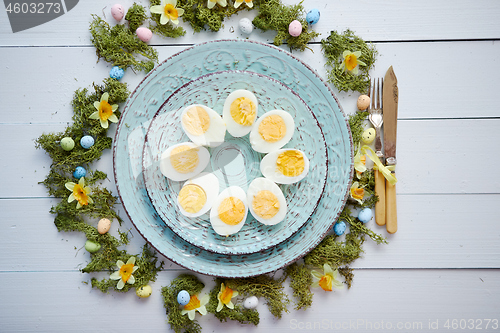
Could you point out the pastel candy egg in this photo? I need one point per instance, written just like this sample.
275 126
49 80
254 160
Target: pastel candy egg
87 141
363 102
117 12
91 246
365 215
245 26
339 228
312 16
144 291
295 28
369 135
67 143
116 73
79 172
144 34
183 297
103 226
251 302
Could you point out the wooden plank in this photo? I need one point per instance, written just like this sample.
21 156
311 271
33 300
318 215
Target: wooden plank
449 89
380 300
450 170
425 20
435 231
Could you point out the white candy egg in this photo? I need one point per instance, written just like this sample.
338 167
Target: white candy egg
240 112
191 201
272 131
266 201
251 302
203 125
229 211
285 166
183 161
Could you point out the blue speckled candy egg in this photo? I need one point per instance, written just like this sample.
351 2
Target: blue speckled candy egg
312 16
339 228
79 172
87 141
183 297
365 215
67 143
116 73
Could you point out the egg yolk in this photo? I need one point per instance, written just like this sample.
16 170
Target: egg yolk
196 120
184 159
192 198
290 163
231 210
272 128
243 111
265 204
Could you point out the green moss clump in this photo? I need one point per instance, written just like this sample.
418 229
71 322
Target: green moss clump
300 282
274 15
356 125
334 46
136 15
334 253
179 322
266 287
239 313
121 47
346 272
165 30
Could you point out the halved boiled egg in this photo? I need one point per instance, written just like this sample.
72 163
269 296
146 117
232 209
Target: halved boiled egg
229 211
285 166
240 112
183 161
198 194
203 125
272 131
266 201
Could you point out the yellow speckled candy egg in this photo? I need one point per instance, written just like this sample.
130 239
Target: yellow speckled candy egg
369 135
144 291
103 226
363 102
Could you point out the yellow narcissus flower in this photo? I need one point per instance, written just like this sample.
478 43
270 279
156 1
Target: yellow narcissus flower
351 61
194 305
211 3
357 193
124 272
105 111
80 193
327 280
249 3
359 163
224 297
168 11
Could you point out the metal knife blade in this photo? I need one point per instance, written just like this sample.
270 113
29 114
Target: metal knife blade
390 102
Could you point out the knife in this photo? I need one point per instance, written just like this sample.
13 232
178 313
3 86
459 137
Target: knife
390 102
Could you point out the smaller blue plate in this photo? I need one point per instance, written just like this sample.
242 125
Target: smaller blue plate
234 162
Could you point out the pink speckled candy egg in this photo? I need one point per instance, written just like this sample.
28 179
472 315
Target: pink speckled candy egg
144 34
295 28
103 226
117 12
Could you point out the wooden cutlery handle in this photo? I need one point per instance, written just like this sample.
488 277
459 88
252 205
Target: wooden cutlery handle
391 211
380 191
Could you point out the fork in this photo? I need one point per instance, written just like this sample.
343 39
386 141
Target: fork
376 118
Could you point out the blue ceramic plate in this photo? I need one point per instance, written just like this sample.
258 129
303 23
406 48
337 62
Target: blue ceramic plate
189 65
234 162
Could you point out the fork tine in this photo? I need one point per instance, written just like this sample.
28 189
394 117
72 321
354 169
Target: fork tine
372 95
378 93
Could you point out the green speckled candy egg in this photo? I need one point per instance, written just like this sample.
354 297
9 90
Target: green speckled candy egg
67 143
92 247
369 135
144 291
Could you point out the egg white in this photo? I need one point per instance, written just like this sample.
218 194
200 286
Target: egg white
219 226
269 169
168 170
210 184
264 184
262 146
235 129
215 133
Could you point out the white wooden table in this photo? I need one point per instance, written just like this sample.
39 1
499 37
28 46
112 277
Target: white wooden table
440 270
